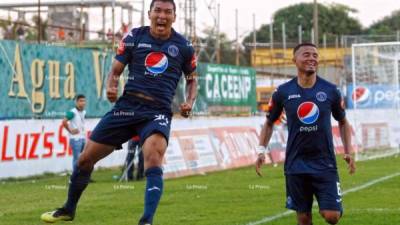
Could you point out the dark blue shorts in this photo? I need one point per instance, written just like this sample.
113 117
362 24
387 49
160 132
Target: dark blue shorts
325 186
131 117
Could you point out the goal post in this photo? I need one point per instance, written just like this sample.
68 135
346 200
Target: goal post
373 99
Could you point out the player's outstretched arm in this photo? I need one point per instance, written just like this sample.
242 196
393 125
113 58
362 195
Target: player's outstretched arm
191 93
113 79
265 137
345 134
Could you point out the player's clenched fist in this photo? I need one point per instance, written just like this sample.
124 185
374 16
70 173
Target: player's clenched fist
112 94
185 108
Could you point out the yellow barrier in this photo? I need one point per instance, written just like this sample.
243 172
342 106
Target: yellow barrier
266 57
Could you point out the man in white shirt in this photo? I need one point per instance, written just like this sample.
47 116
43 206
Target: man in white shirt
74 123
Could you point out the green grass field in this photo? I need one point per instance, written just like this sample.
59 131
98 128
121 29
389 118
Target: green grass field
220 198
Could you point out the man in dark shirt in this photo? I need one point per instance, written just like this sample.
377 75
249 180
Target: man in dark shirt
156 56
310 164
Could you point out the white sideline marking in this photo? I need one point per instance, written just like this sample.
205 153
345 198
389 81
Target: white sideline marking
355 189
370 183
373 210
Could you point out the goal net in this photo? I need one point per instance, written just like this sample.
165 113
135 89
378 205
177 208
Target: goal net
374 99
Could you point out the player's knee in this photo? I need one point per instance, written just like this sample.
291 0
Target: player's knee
156 141
154 148
152 161
153 157
85 163
331 217
332 220
304 219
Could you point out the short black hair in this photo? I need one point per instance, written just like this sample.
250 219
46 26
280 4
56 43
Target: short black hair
171 1
302 45
79 97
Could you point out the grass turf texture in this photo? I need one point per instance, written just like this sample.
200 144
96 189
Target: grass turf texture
220 198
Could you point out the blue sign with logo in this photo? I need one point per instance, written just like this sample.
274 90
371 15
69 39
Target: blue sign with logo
373 96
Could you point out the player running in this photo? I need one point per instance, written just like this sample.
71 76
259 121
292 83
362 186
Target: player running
156 57
310 165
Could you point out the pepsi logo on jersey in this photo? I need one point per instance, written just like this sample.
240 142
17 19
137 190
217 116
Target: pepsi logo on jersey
308 113
156 63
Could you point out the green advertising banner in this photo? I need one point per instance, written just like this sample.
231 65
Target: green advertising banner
41 81
226 89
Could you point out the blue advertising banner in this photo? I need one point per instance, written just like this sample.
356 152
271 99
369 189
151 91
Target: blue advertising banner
373 96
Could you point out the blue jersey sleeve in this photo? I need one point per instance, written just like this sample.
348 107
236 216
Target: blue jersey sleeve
124 51
338 111
275 106
190 61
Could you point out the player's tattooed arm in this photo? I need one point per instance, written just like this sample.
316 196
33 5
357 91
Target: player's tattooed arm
265 136
191 88
191 93
113 79
266 133
345 134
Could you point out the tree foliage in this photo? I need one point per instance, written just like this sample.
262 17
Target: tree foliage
387 25
333 19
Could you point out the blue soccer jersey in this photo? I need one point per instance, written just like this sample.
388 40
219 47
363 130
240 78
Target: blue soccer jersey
308 111
155 66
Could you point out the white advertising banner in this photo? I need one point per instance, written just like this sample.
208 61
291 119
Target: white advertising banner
174 160
34 147
197 145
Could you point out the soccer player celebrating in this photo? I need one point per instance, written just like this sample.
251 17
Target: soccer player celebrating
310 165
156 57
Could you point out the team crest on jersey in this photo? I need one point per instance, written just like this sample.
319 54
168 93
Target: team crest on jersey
156 62
321 96
308 112
173 50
